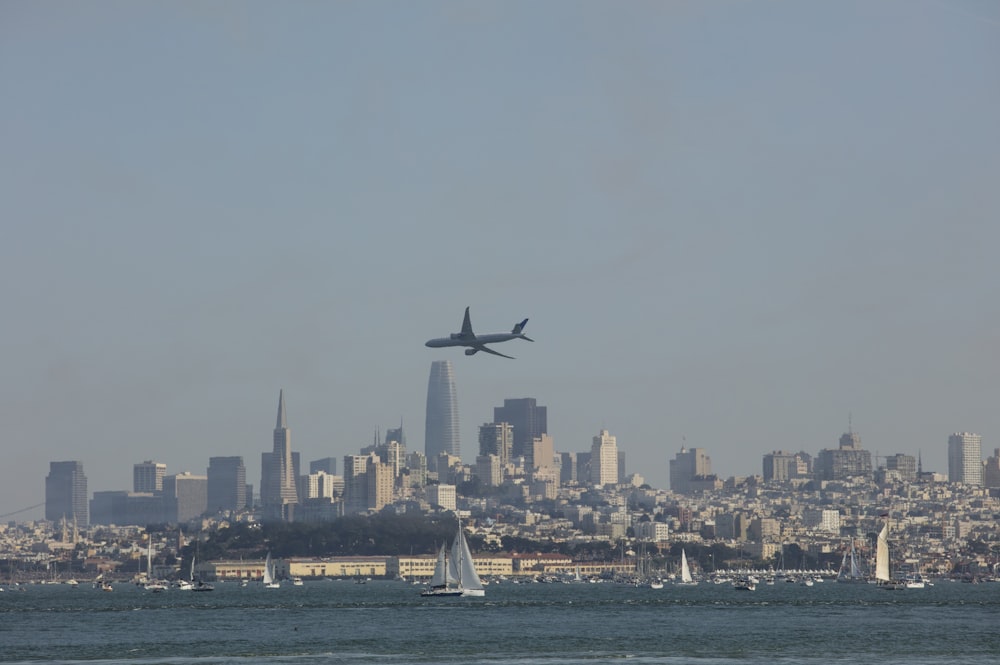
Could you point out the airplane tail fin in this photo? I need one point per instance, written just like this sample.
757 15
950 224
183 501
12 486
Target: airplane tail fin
518 328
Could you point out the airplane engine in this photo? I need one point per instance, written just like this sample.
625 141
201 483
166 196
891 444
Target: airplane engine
470 352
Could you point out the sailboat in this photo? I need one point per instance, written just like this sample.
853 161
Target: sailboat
156 586
269 581
850 568
882 576
202 585
455 576
686 579
443 582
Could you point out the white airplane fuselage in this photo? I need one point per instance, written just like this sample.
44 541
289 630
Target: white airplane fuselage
459 340
477 343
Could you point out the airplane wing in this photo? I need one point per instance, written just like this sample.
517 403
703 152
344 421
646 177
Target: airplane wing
481 347
467 325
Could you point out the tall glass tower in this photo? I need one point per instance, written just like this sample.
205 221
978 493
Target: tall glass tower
441 424
66 493
529 421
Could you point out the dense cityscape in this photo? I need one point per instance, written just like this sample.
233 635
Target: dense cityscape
529 510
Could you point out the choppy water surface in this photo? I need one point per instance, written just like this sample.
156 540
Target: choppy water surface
549 624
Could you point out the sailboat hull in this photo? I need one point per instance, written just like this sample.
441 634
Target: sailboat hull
442 592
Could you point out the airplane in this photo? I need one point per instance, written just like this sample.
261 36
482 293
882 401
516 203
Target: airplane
477 343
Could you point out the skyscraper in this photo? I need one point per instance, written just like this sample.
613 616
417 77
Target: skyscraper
604 460
441 429
528 420
688 466
780 466
227 483
496 439
66 492
148 476
326 465
850 459
185 496
278 494
965 458
396 434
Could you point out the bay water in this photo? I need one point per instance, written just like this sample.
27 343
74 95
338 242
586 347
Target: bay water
339 622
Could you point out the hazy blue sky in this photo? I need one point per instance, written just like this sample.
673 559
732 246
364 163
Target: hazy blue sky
730 222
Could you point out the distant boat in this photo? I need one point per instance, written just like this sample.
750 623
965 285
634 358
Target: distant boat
269 581
443 583
455 576
203 586
187 584
882 573
297 581
850 568
156 586
686 579
745 584
200 585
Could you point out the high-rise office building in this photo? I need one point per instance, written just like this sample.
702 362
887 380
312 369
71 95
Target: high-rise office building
441 427
567 468
965 458
127 508
496 439
227 484
396 434
780 466
991 470
66 493
583 466
416 464
542 454
380 481
489 470
604 460
527 419
185 496
904 465
278 472
850 459
322 485
356 483
688 467
326 465
147 477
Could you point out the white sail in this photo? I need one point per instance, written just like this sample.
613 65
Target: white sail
444 576
268 571
685 571
855 568
882 555
454 573
468 579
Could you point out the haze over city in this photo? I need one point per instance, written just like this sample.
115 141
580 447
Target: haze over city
731 224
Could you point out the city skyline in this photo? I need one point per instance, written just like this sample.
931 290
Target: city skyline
730 224
66 483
